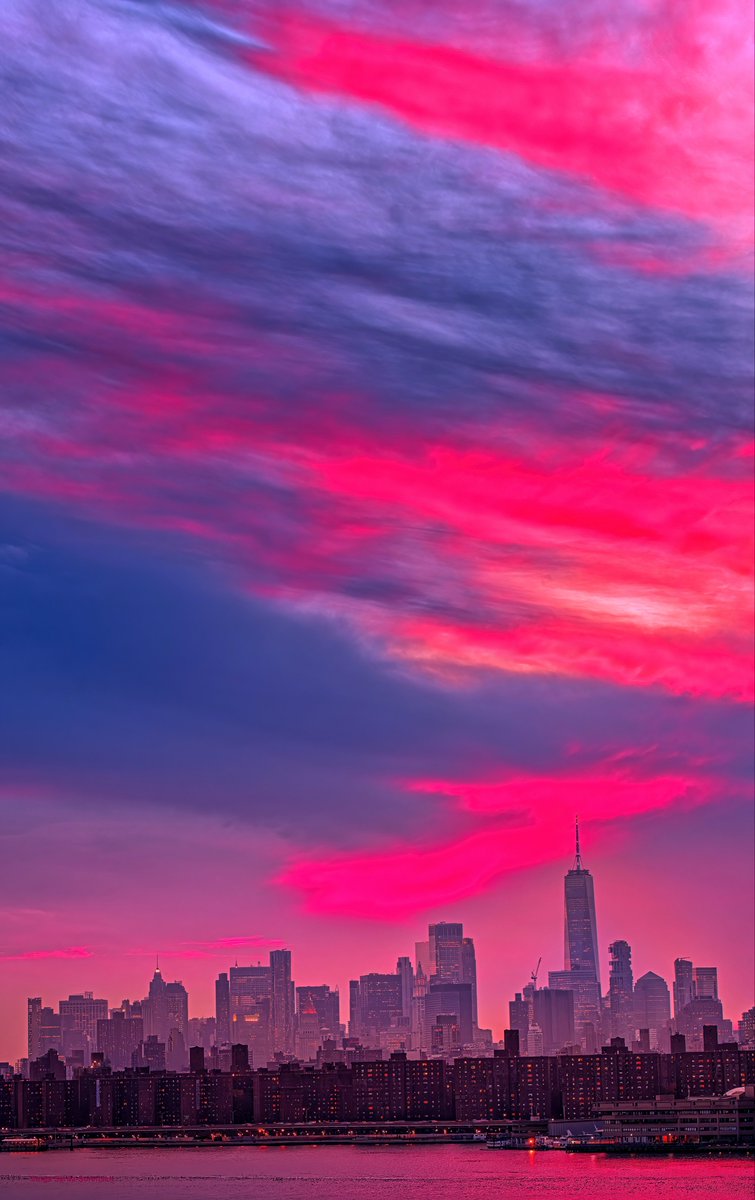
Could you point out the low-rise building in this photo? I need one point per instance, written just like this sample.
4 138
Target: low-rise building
697 1120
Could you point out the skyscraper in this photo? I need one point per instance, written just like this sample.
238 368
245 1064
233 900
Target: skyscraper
746 1029
452 1000
282 994
422 958
469 972
222 1010
43 1028
405 971
621 991
452 958
33 1022
118 1037
581 973
580 925
165 1008
683 984
652 1007
325 1003
446 938
79 1015
519 1019
155 1009
705 983
419 1033
177 1008
554 1016
317 1017
250 991
375 1006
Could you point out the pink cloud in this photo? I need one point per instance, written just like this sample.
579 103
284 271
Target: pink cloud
592 562
401 881
670 130
222 944
598 556
33 955
205 949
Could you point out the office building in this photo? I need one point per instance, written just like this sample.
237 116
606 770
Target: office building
118 1037
324 1002
580 923
405 971
554 1015
43 1029
581 974
79 1015
452 958
683 984
250 1000
452 1001
222 1010
519 1019
621 991
282 1002
652 1008
705 983
376 1006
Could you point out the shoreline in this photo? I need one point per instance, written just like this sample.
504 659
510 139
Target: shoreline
35 1142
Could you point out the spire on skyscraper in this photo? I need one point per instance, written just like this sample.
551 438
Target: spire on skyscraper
578 857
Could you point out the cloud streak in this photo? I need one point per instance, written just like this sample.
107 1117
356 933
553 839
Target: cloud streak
74 952
531 813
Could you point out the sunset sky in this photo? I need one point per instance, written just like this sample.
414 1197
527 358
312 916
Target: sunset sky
376 486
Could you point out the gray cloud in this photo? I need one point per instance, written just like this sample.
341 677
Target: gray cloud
145 168
138 680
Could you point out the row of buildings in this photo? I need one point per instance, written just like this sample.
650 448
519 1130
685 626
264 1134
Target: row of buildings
639 1011
505 1086
427 1006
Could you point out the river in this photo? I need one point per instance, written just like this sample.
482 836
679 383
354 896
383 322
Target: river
365 1173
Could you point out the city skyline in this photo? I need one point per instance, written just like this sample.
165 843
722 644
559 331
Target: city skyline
400 1009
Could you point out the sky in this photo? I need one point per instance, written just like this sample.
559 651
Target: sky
376 487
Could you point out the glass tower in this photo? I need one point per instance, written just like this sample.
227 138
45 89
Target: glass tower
581 973
580 925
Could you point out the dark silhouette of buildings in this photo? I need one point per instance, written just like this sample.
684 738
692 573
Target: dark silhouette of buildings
505 1086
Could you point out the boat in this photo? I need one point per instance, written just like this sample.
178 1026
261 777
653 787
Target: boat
23 1143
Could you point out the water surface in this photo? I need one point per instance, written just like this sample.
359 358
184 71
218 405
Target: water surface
365 1173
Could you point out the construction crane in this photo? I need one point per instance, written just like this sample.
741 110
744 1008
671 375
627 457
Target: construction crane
535 973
